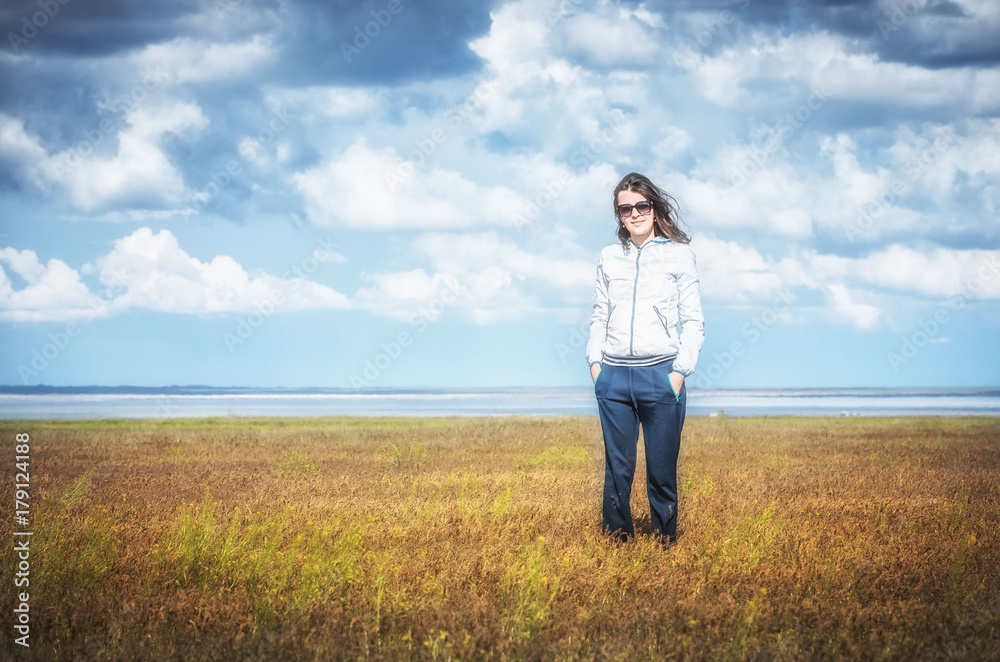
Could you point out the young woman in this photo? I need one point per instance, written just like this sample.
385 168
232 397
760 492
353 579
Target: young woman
645 335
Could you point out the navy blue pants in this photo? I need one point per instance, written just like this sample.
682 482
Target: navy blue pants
628 397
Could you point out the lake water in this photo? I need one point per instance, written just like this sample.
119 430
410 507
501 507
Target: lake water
96 402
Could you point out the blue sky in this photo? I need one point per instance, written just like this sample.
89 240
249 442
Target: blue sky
414 194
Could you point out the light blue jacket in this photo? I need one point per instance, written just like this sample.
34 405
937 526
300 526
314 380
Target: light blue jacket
647 307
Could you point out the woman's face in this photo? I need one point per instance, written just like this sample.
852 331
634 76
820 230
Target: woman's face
639 226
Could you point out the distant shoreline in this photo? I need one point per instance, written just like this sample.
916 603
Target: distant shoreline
200 388
202 401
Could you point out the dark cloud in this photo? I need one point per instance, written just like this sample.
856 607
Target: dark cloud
927 33
83 27
319 41
381 41
53 98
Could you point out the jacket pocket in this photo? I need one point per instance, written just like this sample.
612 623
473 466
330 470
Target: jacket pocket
663 320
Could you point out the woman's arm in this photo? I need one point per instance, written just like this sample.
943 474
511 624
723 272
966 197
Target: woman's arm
598 322
690 317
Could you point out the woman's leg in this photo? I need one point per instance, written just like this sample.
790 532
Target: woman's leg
620 425
662 415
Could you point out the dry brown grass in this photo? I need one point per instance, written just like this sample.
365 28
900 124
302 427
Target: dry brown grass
479 539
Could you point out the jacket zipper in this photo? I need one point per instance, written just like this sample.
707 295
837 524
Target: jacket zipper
635 292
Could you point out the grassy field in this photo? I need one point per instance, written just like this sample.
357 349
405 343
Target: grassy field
441 539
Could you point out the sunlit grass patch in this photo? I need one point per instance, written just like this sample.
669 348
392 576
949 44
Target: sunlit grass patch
295 463
76 546
178 454
282 564
401 453
561 455
692 483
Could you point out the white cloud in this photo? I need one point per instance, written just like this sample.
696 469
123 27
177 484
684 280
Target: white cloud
732 273
767 199
530 74
855 183
346 101
558 196
469 253
373 189
186 60
863 203
986 90
938 156
52 292
862 315
675 142
718 79
28 160
931 179
152 271
935 273
609 38
488 280
927 180
515 42
408 294
861 291
825 61
138 174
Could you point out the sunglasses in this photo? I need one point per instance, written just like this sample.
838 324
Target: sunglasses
643 208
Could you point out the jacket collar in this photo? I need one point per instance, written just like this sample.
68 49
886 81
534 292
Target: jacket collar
654 240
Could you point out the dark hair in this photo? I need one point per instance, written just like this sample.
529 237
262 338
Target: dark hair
666 212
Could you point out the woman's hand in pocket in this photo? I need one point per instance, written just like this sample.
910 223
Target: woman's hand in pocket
595 370
676 381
